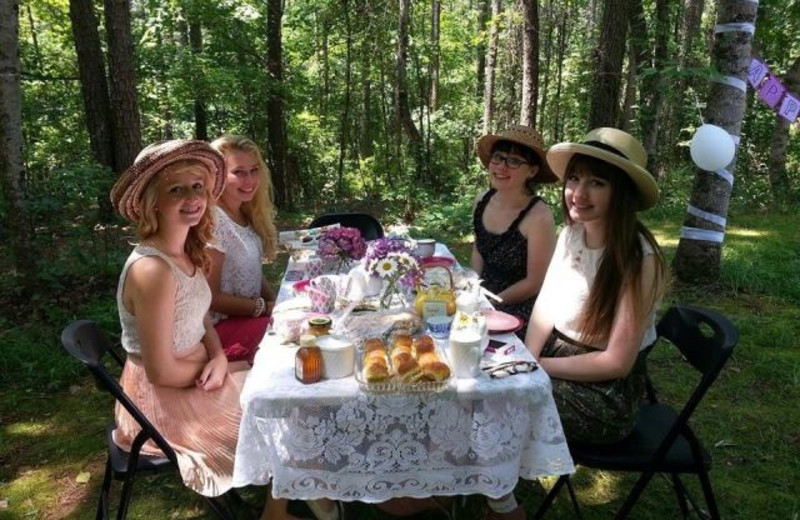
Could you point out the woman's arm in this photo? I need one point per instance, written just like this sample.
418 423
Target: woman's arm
214 372
539 228
268 293
149 294
627 332
539 329
476 260
222 302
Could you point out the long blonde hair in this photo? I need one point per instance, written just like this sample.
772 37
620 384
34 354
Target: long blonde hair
261 210
200 234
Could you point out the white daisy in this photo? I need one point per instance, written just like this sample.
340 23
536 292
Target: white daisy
384 267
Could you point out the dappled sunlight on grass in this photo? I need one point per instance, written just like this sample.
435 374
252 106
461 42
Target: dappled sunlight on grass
742 232
602 487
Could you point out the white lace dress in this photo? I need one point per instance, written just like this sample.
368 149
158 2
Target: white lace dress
202 427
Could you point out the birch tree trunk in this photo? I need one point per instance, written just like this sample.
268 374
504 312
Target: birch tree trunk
530 61
491 58
608 57
778 181
94 91
698 260
127 141
12 168
276 129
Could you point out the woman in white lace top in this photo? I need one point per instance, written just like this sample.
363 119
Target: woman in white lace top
244 237
596 310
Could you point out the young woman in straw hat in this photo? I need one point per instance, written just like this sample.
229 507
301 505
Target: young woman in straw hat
514 229
597 306
175 364
244 237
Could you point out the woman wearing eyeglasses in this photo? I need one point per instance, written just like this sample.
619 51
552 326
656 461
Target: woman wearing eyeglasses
514 229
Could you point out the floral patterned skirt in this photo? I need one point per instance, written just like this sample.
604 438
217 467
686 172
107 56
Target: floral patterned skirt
599 412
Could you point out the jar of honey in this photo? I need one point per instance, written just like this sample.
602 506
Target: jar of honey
308 362
319 326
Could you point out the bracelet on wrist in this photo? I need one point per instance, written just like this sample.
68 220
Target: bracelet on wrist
261 306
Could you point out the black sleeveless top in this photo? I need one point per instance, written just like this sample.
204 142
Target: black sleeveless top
505 257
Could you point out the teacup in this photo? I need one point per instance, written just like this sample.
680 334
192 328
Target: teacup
426 247
439 326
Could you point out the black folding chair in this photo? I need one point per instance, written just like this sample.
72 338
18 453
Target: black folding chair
662 441
368 225
88 344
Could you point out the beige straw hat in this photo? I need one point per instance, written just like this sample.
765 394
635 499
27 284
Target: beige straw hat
126 195
523 136
614 147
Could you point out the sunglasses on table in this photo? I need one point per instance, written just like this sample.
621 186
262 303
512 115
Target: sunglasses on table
509 368
511 162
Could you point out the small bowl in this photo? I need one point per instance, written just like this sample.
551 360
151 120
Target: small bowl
338 356
426 247
439 326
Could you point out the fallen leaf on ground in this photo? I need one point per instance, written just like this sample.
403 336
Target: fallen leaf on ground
83 477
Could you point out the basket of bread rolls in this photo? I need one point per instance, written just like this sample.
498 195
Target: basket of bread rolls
402 364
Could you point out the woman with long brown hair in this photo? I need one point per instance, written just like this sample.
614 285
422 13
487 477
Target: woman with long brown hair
597 306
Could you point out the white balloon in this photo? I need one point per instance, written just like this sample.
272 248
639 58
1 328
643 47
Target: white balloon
712 148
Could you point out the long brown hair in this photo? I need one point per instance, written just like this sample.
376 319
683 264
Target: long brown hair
199 235
260 212
620 270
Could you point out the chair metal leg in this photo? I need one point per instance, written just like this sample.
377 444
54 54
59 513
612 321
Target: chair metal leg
548 500
574 500
708 492
102 502
633 496
680 493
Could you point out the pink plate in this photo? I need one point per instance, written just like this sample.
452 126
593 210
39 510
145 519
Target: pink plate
499 322
437 261
300 286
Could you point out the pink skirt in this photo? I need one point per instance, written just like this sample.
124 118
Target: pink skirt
202 427
240 336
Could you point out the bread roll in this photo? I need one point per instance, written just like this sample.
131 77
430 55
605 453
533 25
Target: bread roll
375 372
400 355
401 340
423 345
373 344
408 371
436 371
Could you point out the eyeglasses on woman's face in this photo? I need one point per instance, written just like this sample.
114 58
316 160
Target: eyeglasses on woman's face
512 163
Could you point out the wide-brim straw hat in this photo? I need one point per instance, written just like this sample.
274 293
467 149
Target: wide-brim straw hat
614 147
126 195
523 136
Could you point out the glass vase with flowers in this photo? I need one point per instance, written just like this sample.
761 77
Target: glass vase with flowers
340 246
396 264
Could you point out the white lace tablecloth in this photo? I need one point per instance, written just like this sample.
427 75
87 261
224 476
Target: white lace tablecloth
331 439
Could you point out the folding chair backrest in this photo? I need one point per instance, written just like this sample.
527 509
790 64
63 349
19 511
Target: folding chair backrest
87 343
368 225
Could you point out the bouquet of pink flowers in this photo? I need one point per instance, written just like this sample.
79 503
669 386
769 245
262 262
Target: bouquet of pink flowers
343 244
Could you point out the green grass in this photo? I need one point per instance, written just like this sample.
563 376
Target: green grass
52 418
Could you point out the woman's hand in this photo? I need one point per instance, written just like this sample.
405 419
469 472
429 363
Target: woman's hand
214 373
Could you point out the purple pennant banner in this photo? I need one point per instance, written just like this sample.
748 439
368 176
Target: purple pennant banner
771 91
790 108
756 72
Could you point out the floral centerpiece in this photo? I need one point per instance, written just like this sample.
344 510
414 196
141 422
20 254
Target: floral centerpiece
341 244
394 262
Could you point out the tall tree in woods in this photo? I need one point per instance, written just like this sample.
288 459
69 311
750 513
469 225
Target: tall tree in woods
608 56
200 116
344 127
530 61
276 127
780 139
401 89
654 87
434 60
491 65
94 91
127 140
365 137
480 48
12 168
698 260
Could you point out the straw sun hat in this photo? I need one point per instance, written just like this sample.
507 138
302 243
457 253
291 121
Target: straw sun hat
126 195
523 136
614 147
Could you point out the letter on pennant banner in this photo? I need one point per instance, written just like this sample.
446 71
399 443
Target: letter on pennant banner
790 108
756 72
771 91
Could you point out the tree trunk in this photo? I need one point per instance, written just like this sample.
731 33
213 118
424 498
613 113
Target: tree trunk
608 57
434 65
654 88
480 49
778 180
558 126
697 259
276 129
200 115
403 109
345 119
94 91
548 53
491 58
34 38
626 115
12 168
365 139
530 61
127 141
